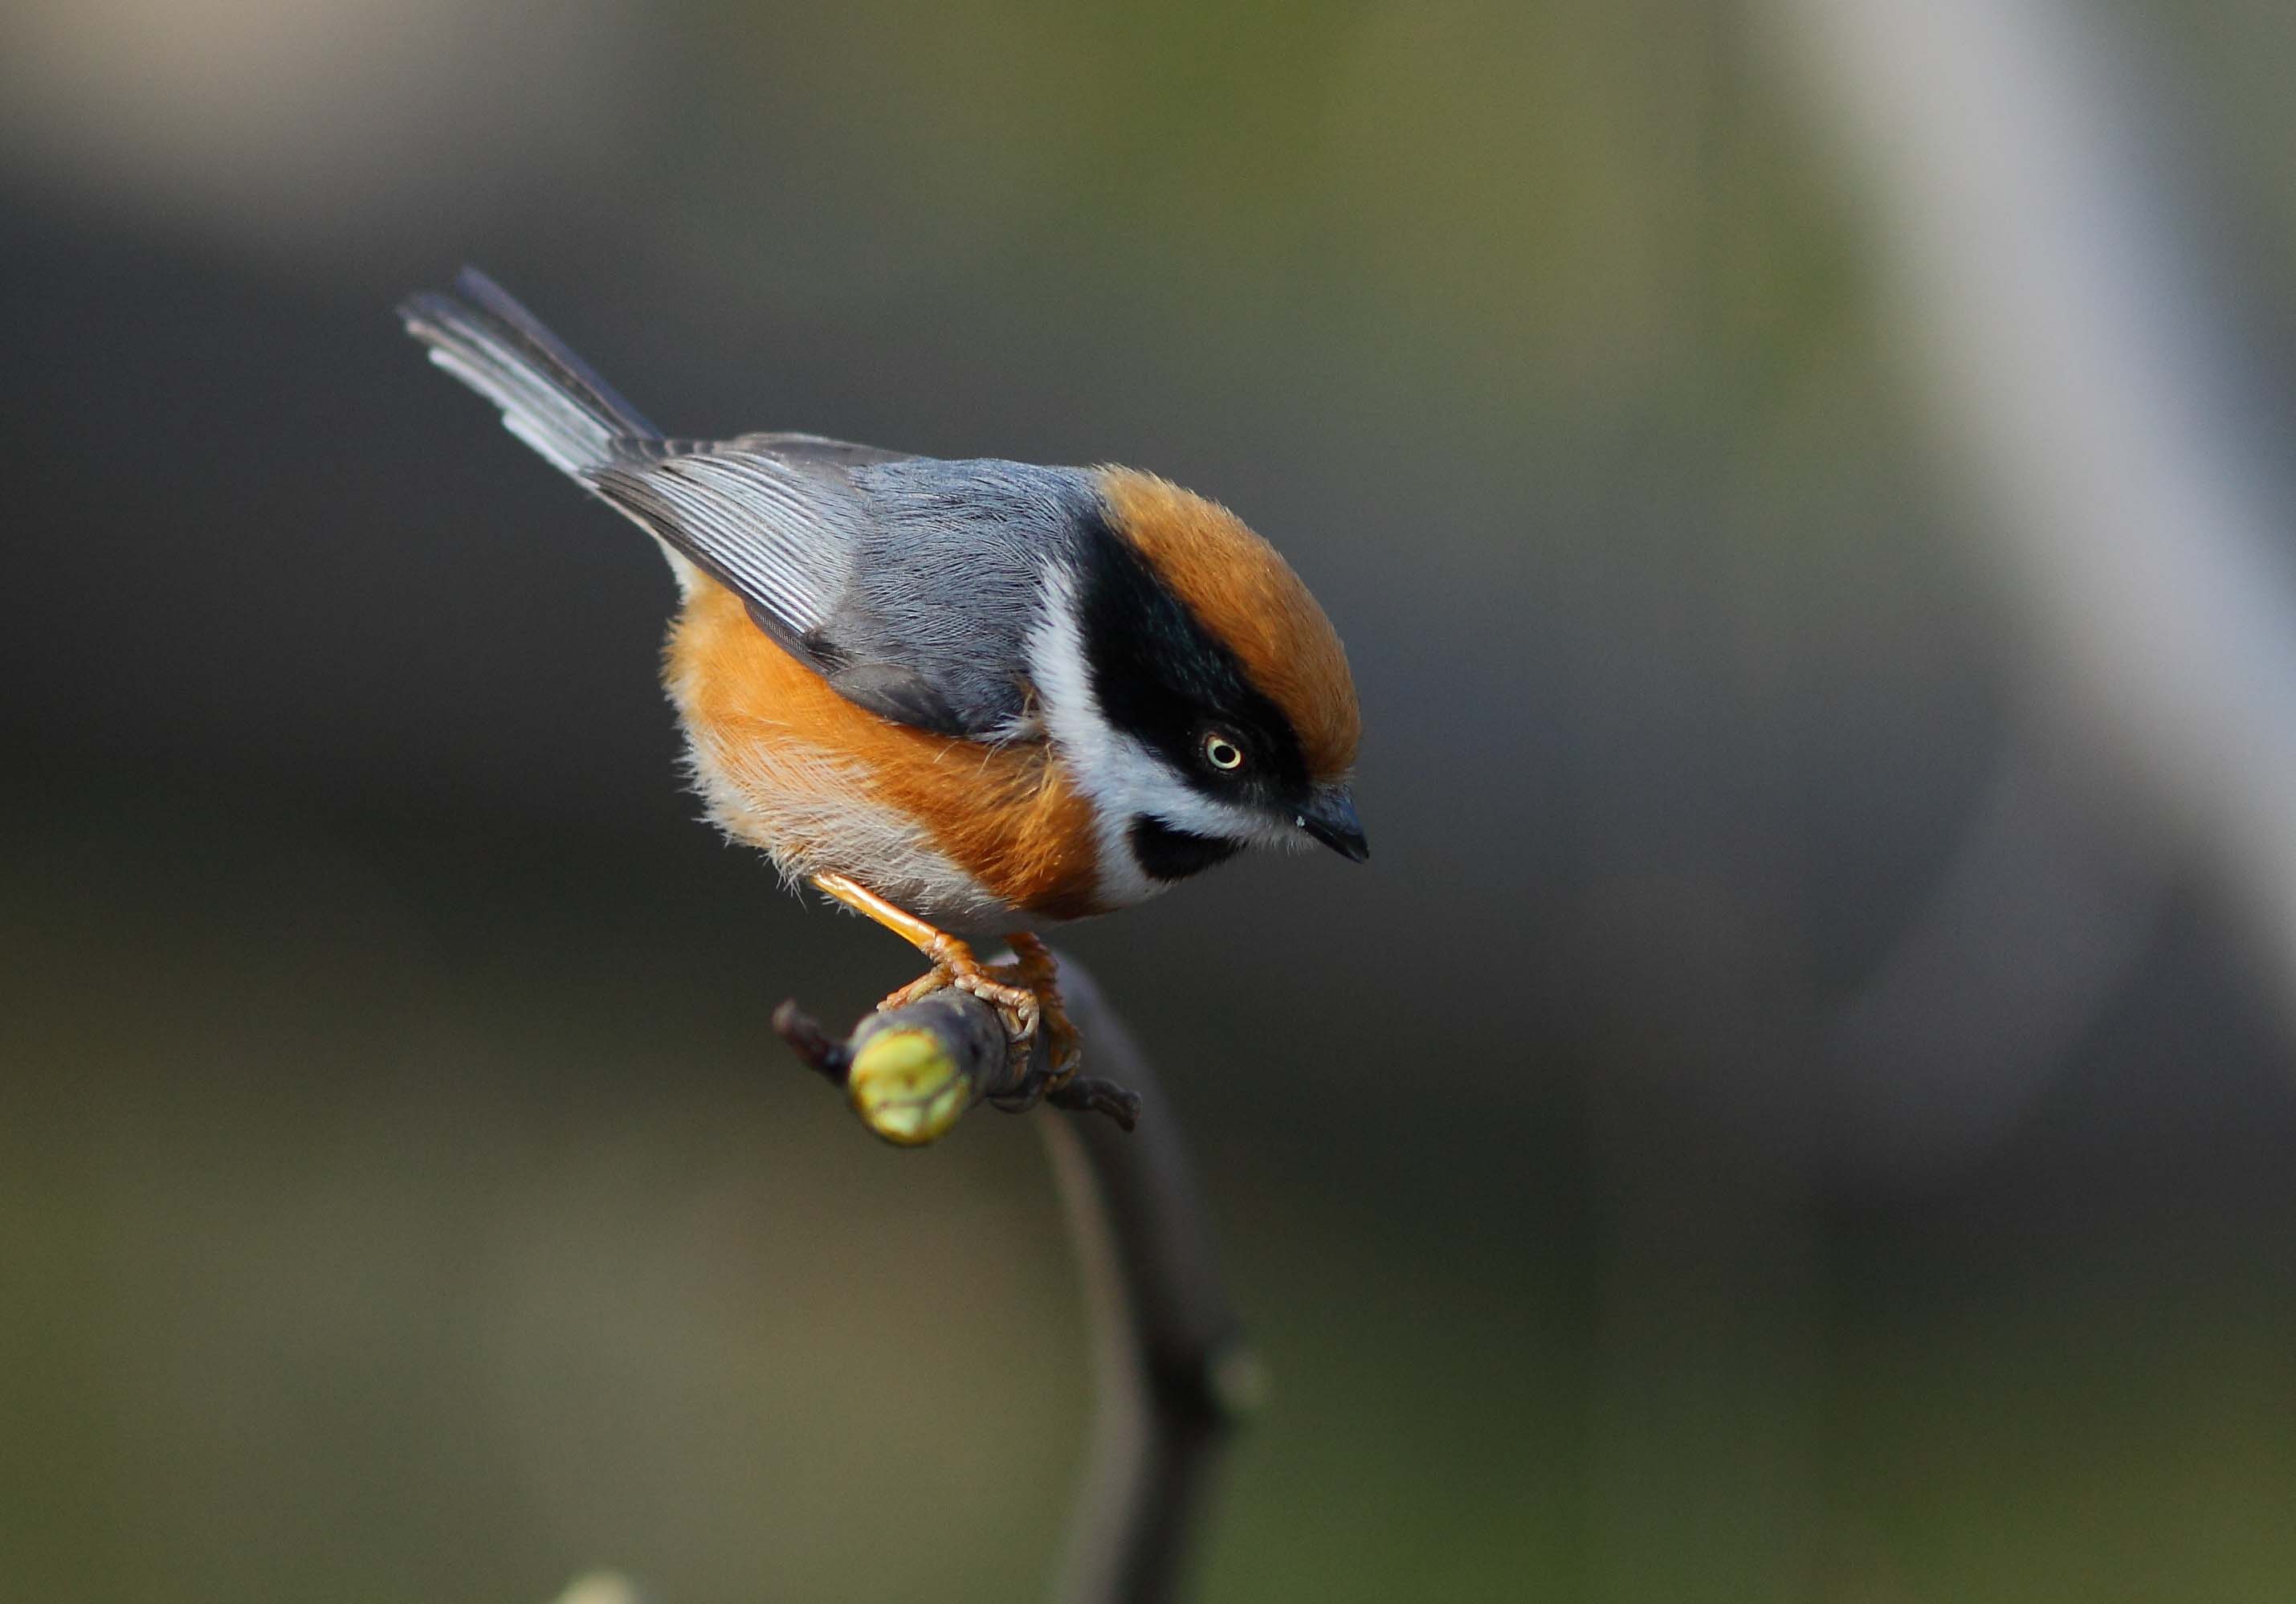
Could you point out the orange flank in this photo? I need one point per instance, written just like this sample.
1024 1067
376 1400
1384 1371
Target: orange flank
1007 815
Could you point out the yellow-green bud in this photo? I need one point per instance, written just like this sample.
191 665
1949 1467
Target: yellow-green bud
906 1088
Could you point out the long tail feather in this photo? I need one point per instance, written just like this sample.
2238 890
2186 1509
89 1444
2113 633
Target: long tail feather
550 398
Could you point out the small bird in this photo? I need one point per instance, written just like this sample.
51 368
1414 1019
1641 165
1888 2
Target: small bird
964 698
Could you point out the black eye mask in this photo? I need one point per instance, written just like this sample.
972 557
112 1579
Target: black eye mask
1158 675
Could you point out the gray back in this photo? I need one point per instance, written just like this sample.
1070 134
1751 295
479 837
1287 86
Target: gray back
910 583
949 576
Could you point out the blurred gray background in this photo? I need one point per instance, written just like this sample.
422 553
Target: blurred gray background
1787 1112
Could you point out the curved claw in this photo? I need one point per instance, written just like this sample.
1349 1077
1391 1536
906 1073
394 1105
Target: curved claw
1064 1048
1017 1004
1026 993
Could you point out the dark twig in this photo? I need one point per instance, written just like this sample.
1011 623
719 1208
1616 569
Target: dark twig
912 1071
1172 1373
811 1044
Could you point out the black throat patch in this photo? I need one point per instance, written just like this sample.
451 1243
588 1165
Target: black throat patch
1167 854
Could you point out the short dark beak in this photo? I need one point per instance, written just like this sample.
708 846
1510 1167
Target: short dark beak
1329 816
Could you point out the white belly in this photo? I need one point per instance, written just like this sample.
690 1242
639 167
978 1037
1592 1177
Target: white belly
814 813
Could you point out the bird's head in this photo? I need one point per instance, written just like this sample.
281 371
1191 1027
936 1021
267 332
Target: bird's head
1201 696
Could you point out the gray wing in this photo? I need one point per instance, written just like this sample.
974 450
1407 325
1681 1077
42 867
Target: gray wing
910 584
818 448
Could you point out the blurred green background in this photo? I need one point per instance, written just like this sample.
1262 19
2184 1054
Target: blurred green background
402 1196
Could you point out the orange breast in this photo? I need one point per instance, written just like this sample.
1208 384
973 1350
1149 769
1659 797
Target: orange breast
1007 816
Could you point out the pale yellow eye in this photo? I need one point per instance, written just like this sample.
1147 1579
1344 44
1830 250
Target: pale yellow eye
1223 754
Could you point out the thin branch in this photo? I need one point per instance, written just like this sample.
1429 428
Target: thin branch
912 1073
1172 1374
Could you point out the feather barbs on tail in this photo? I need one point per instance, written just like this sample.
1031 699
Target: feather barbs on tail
549 397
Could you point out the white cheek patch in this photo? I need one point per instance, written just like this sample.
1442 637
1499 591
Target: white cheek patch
1184 808
1120 773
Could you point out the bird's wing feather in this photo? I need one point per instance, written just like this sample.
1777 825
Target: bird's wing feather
785 541
761 526
909 584
818 448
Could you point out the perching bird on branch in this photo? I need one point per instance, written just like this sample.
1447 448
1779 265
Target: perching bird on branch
963 698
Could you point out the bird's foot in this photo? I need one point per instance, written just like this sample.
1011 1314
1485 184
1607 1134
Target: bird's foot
999 985
1025 994
1064 1049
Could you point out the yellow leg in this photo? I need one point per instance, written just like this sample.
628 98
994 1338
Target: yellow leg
953 960
927 939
